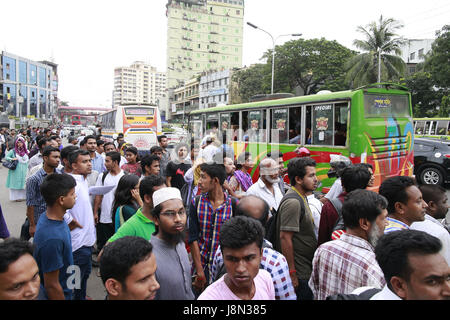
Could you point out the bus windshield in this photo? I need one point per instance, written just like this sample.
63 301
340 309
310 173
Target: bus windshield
136 111
383 105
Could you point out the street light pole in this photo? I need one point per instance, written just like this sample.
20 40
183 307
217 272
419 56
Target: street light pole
273 47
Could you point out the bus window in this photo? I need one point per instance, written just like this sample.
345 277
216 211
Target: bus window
235 125
254 129
420 127
340 124
322 124
442 127
295 122
279 126
427 127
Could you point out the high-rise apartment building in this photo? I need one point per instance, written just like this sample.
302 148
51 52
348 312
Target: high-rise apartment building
138 83
203 35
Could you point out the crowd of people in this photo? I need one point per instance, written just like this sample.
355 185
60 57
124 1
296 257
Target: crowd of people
189 223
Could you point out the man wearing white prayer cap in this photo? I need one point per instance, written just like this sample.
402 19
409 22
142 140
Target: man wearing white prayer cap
174 269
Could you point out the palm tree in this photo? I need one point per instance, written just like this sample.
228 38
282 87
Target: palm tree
381 59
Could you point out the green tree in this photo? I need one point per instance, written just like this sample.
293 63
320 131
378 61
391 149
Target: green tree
312 65
437 61
250 81
444 109
380 59
425 99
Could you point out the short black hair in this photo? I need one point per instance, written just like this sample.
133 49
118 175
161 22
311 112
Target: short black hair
109 143
360 204
100 142
48 150
73 156
147 185
240 211
89 137
41 142
355 177
155 149
297 167
67 150
393 249
241 159
364 164
121 255
161 137
214 170
55 186
147 160
241 231
132 149
114 155
11 250
394 190
71 138
432 192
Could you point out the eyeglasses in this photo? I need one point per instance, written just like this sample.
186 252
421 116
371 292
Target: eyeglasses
172 214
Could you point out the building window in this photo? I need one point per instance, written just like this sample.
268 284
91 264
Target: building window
412 56
420 53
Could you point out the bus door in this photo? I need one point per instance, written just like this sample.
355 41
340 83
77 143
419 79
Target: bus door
197 128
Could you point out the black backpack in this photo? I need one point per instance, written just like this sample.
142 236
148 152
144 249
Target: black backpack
271 225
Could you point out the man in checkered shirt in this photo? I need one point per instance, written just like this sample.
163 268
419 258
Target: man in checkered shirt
272 261
341 266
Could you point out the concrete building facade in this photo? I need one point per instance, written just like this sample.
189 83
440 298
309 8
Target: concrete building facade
138 83
203 35
28 90
414 51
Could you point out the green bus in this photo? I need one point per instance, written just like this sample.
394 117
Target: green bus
371 124
432 128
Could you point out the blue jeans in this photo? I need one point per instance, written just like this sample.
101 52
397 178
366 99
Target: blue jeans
83 259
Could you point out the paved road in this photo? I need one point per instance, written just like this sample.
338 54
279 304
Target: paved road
15 214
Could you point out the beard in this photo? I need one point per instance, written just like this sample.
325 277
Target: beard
173 238
374 235
272 181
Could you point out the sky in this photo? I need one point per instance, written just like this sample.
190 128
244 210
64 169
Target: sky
88 39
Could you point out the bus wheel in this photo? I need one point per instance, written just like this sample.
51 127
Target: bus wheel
431 175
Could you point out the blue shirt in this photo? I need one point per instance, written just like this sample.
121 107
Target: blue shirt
98 163
53 251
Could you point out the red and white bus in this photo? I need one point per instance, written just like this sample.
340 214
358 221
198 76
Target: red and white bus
139 123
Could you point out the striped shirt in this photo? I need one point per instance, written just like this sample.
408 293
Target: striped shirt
273 262
395 225
204 226
343 265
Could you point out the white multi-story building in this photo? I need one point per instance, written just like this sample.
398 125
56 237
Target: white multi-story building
414 51
214 88
138 83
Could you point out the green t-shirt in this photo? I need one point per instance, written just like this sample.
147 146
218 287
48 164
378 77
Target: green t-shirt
138 225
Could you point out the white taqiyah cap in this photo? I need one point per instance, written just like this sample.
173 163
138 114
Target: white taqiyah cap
164 194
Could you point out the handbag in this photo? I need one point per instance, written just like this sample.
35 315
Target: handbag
10 164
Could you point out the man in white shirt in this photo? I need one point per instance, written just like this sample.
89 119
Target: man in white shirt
83 239
438 205
209 151
413 267
267 185
104 203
